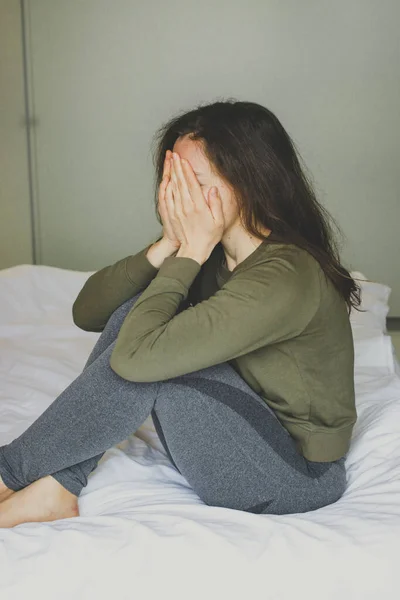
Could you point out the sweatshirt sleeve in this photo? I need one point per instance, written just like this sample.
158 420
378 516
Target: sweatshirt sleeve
260 305
107 289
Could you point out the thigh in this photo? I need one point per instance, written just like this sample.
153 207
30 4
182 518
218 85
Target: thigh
232 449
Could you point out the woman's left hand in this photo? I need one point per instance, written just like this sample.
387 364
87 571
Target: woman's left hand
198 225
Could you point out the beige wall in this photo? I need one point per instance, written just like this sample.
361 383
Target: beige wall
15 218
105 74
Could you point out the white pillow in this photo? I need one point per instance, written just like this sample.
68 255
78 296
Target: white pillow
374 353
375 300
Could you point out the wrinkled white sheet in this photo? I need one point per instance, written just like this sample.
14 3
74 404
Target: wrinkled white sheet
144 533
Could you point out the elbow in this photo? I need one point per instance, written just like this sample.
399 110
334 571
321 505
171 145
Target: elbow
131 369
78 318
122 367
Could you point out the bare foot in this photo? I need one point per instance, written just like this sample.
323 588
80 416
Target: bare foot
5 492
42 500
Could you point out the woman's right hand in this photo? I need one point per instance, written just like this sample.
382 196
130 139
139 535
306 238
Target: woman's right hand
169 237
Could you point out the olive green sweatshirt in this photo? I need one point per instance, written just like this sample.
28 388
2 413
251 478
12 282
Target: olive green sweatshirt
276 319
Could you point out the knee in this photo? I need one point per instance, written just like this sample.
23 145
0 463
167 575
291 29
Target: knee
126 306
123 309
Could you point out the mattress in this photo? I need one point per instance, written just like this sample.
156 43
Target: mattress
143 532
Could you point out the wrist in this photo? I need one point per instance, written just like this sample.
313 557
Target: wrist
197 255
159 251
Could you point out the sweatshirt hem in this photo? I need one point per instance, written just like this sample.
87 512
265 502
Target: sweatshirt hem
321 446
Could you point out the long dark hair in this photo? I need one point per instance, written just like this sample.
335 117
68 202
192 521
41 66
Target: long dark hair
249 148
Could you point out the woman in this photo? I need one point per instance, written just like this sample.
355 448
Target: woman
232 330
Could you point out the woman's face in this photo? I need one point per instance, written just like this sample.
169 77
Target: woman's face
192 151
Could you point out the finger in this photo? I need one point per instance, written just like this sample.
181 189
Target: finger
162 188
173 176
163 184
164 214
161 199
169 202
167 167
173 212
187 202
176 191
193 184
215 205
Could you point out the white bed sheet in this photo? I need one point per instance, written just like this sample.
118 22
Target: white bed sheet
144 532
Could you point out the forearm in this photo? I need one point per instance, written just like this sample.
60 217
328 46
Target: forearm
110 287
159 251
157 305
200 255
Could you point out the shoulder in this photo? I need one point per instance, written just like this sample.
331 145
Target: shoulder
291 253
288 261
283 276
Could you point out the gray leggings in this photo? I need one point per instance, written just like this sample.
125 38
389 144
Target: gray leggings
218 433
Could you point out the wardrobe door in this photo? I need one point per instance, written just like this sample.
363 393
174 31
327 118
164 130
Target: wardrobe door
15 216
94 173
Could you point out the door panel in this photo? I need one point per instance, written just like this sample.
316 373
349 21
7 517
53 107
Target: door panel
15 215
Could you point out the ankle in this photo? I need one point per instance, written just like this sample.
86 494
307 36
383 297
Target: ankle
56 490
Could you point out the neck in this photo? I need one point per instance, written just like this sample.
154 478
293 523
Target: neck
238 244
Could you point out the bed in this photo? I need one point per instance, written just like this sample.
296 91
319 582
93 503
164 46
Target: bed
143 532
